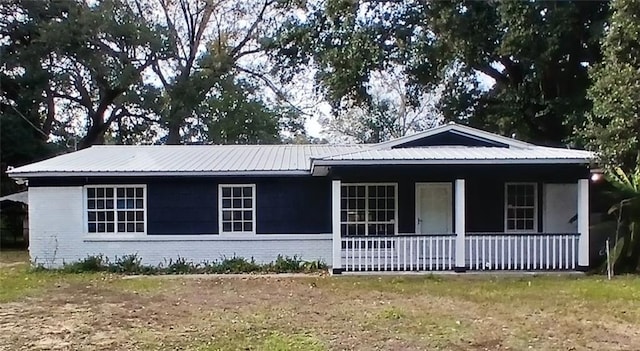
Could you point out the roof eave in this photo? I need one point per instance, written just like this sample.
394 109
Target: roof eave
28 175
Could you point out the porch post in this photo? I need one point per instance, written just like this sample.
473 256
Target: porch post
583 224
460 265
336 267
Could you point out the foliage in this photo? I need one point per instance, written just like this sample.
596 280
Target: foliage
132 264
613 128
626 244
535 55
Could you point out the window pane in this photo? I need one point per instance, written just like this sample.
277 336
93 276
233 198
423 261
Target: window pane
226 215
92 216
121 227
247 191
237 203
92 227
109 192
101 216
248 226
139 203
237 215
226 226
120 192
130 203
139 216
237 226
100 204
139 227
110 227
130 216
91 192
121 215
101 228
130 228
226 192
91 204
130 193
108 204
248 215
120 204
247 203
226 203
100 192
110 216
139 192
237 192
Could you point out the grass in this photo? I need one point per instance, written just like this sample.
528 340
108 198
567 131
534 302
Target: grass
105 311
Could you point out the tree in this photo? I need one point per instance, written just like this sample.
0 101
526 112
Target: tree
216 43
613 128
535 54
88 55
392 112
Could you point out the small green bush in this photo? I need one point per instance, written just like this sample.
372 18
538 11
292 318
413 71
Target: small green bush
88 264
239 265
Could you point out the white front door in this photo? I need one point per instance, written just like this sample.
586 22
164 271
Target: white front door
434 203
560 206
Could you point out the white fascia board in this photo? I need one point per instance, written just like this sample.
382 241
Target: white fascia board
27 175
453 162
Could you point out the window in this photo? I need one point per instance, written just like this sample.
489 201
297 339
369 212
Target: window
237 208
116 209
368 209
521 207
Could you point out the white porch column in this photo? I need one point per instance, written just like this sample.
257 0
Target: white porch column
460 265
336 266
583 224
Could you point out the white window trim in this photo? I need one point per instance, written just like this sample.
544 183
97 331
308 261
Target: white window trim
253 210
85 212
535 208
366 206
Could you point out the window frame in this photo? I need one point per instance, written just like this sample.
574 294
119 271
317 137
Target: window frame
536 208
366 222
253 210
85 206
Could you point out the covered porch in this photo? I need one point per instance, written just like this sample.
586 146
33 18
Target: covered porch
460 218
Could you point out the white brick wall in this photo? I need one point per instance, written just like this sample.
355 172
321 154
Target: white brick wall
57 235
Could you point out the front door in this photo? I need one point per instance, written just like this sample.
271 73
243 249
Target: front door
434 203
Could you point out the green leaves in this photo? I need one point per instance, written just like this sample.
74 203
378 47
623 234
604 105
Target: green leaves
613 127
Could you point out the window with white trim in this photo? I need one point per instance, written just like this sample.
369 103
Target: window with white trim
237 208
521 207
116 209
368 209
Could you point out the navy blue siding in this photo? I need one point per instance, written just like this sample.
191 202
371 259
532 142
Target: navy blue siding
302 205
451 138
484 187
189 205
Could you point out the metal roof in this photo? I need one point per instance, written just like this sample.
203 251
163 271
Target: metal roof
458 154
183 160
119 160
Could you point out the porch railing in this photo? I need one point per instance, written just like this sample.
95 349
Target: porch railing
398 253
482 251
513 251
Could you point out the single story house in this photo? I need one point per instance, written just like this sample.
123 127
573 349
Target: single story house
450 198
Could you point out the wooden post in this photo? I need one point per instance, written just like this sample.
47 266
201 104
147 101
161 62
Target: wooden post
460 265
336 267
583 224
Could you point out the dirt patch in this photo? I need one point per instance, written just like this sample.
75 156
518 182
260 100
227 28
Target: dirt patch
335 313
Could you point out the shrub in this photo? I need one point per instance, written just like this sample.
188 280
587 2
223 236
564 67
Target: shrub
88 264
132 264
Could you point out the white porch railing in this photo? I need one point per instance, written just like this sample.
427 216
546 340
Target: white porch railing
482 251
398 253
536 251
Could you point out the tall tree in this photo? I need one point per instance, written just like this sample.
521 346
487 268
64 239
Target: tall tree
534 55
217 42
613 129
91 55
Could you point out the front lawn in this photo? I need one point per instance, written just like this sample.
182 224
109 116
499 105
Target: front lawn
40 310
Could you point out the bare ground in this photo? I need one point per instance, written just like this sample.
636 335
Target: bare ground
106 312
